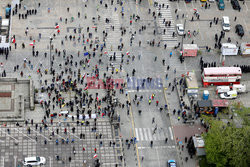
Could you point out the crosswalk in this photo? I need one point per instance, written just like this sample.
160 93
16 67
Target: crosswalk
166 14
113 38
146 134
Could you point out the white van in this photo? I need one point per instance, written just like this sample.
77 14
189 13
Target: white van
30 161
222 89
229 95
225 23
239 88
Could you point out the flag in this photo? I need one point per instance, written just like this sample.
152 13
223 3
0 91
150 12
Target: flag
57 26
86 88
31 44
13 40
86 53
95 156
128 53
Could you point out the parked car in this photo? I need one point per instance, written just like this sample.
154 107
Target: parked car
180 29
239 30
221 4
229 95
172 163
235 4
31 161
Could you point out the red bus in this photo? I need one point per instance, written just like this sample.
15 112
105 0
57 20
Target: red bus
221 76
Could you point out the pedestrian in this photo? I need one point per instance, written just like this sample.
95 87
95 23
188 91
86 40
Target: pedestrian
235 18
151 143
153 120
166 140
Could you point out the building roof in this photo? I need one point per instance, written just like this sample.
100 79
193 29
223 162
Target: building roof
190 46
222 70
204 103
220 103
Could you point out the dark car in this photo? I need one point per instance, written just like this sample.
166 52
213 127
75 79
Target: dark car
235 4
239 30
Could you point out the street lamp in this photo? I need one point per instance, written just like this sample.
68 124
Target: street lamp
51 39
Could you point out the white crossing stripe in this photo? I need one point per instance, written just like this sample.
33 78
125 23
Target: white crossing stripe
136 134
141 134
145 134
149 134
154 135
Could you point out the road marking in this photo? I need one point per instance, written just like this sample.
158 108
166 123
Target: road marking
74 135
145 133
57 134
3 161
157 147
150 2
192 4
162 135
154 135
50 162
133 125
25 135
246 6
171 134
150 134
40 134
136 134
141 134
185 6
158 158
15 160
158 134
9 135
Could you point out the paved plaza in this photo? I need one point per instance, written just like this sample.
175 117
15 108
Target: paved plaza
71 49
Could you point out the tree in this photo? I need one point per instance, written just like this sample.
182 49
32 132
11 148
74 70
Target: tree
226 144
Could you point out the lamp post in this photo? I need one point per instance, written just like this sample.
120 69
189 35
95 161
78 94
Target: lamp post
50 54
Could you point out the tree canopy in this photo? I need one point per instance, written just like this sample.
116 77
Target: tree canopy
227 144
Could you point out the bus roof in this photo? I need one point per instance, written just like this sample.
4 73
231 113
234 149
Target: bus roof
222 70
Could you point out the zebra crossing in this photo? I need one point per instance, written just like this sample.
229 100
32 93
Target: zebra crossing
118 57
113 38
166 14
146 134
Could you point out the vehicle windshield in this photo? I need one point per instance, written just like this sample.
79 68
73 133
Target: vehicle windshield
226 25
38 159
172 164
226 95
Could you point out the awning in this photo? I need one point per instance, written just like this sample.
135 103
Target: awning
204 103
220 103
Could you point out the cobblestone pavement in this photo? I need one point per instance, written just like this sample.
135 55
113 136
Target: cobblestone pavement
17 143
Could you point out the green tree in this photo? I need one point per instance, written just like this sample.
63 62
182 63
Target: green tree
227 144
